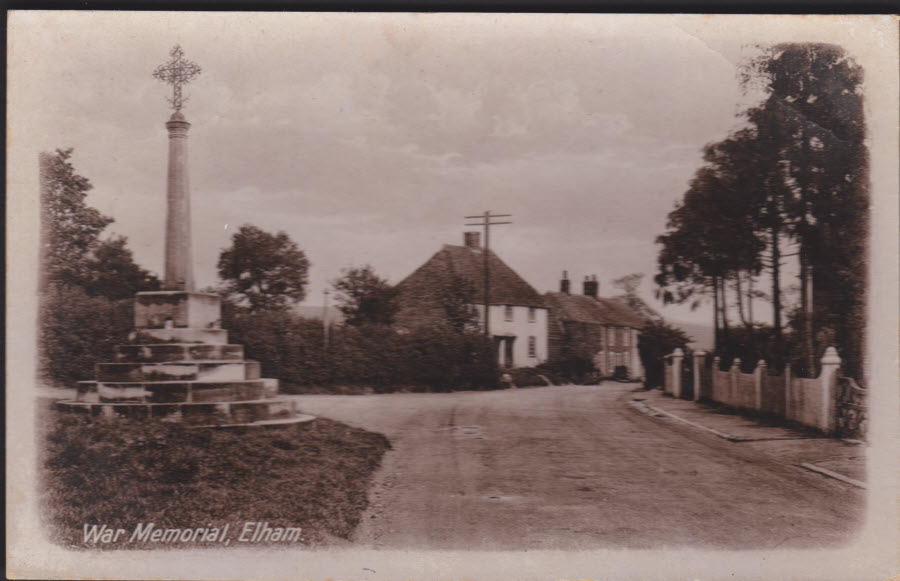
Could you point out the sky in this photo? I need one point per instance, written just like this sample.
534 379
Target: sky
368 138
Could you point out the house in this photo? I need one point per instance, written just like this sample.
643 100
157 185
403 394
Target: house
606 330
517 313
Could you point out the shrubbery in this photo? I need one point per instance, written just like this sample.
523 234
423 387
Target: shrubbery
658 339
77 331
293 350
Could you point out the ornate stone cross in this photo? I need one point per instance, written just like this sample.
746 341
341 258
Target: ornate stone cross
177 72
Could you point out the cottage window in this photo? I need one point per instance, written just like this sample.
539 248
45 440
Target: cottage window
532 314
508 313
532 346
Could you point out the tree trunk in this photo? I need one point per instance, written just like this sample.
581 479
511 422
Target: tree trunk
716 337
724 306
776 295
750 298
805 250
740 299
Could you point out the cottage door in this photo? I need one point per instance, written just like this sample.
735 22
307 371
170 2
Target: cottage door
508 351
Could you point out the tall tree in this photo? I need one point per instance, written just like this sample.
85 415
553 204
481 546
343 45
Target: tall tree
262 270
711 236
821 142
365 298
70 228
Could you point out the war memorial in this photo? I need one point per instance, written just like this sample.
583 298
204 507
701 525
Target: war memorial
178 365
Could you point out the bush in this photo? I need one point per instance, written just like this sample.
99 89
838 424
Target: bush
293 350
77 331
658 339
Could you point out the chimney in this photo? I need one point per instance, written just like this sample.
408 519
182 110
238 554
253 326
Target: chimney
590 286
472 239
564 282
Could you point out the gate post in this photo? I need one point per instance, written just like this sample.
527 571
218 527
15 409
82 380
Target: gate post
677 357
759 376
733 383
699 367
828 378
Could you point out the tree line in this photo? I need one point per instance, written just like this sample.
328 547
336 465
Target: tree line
88 281
791 183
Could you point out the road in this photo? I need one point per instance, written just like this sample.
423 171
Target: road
576 467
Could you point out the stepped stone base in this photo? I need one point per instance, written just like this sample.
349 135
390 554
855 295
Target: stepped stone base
179 367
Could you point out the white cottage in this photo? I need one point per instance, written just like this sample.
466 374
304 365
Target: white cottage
517 316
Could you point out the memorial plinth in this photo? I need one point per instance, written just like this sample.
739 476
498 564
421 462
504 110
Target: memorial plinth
178 366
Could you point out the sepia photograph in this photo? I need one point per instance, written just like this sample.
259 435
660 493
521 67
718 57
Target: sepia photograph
436 296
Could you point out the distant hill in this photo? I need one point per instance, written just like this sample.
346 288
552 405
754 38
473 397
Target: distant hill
702 336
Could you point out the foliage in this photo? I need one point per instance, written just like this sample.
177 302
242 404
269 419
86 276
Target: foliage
293 350
796 173
77 331
314 476
70 229
457 301
750 344
111 272
263 270
84 279
365 298
656 340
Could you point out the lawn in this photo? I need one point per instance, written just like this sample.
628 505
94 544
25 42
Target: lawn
122 473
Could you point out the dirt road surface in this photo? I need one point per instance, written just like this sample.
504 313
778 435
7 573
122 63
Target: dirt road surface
577 467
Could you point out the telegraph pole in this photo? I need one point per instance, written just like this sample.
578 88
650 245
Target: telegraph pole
325 329
486 223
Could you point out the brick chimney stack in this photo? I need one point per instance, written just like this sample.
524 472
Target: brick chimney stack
564 282
590 286
472 239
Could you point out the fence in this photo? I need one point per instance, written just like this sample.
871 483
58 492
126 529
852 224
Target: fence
833 404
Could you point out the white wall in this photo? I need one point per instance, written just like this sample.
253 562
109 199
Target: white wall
522 329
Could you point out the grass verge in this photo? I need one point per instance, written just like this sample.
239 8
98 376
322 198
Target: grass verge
121 473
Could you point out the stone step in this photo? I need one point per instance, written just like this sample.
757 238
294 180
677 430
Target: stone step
176 391
177 371
178 335
196 413
161 352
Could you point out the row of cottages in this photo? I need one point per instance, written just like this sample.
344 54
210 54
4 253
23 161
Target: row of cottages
606 330
527 328
517 313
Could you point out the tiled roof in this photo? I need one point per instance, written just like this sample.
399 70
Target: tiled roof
506 286
585 309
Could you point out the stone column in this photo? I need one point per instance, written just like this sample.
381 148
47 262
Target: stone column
677 357
179 268
828 378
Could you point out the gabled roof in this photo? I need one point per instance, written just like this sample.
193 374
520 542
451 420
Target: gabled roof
506 286
585 309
